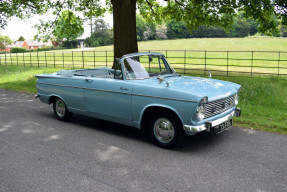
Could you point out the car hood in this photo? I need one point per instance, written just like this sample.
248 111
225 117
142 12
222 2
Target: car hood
186 88
212 88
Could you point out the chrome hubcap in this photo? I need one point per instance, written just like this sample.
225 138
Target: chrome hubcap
60 107
163 130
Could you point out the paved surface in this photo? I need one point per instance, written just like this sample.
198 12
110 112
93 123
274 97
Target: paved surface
40 153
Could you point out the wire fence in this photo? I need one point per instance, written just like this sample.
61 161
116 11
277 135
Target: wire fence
221 63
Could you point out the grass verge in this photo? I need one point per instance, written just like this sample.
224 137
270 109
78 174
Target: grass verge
21 78
263 101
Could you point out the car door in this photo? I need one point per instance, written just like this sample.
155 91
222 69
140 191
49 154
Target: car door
108 98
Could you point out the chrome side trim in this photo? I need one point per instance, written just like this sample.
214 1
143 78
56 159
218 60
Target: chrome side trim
165 98
120 92
60 85
192 130
60 77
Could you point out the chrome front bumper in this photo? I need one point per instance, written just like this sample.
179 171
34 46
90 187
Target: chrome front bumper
192 130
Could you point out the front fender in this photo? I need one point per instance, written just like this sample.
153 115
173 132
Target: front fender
160 106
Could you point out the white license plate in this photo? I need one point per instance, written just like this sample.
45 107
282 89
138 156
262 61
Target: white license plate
224 126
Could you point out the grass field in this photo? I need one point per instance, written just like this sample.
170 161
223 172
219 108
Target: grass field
212 44
223 56
262 100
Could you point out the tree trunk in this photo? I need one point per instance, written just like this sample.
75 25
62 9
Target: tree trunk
125 35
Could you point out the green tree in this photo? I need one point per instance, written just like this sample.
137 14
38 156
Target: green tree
5 40
140 27
68 26
177 30
193 12
283 31
150 31
21 38
102 35
100 25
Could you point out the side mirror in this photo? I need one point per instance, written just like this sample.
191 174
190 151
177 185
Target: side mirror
209 74
161 79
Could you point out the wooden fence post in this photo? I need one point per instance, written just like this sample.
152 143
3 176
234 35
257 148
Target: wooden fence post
227 62
94 59
251 63
38 58
54 59
106 59
184 61
46 58
63 59
279 64
23 59
30 60
10 59
83 59
17 58
73 59
204 62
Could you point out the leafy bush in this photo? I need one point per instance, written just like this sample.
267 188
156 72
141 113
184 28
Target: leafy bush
95 44
70 44
18 50
44 48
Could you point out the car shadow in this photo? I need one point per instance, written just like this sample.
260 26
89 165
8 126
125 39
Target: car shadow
110 128
197 143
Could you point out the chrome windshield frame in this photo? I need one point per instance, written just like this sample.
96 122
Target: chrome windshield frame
144 54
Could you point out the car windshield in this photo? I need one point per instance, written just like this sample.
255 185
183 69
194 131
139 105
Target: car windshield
146 66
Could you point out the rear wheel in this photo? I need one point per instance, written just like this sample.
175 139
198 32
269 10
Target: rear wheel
166 130
61 111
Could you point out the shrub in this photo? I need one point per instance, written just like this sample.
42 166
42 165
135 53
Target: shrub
46 48
70 44
95 44
18 50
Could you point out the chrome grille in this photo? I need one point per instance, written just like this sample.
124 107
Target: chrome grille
219 106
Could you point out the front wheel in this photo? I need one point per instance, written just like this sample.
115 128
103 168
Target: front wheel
61 111
166 131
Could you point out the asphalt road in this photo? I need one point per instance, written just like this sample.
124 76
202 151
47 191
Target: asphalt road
40 153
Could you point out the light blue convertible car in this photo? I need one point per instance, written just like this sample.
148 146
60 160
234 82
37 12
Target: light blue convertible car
142 90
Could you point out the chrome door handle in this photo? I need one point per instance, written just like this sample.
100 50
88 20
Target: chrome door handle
88 80
124 89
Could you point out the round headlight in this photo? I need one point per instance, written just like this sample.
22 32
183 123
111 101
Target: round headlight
200 112
236 99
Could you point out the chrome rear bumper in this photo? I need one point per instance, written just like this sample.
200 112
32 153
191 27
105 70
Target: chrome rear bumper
192 130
